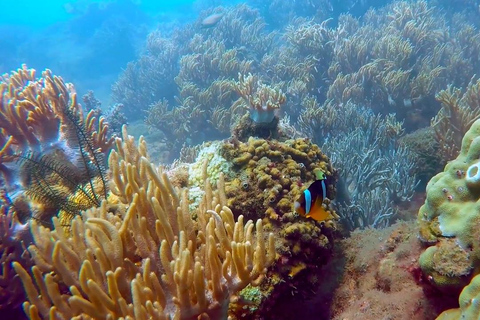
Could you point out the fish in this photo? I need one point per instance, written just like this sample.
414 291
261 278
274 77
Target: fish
211 20
309 204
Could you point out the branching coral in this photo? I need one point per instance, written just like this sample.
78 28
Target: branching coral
60 152
457 114
243 28
151 77
263 101
396 59
191 70
377 174
51 161
149 258
202 108
377 178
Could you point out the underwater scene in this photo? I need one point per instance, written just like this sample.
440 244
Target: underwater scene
208 159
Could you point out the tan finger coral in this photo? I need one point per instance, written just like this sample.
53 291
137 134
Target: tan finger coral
145 257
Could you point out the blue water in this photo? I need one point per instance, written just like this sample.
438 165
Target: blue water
40 14
89 43
86 42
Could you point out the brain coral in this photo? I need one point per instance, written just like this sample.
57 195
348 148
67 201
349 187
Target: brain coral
450 218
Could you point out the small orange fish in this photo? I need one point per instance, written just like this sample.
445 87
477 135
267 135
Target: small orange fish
310 202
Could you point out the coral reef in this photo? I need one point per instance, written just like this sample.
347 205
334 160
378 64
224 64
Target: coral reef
381 278
376 174
263 102
51 164
449 219
50 151
271 174
468 301
187 78
12 248
459 110
142 255
263 178
113 115
423 146
391 60
396 60
151 77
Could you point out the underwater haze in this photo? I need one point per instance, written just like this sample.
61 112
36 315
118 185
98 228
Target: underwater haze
89 42
244 160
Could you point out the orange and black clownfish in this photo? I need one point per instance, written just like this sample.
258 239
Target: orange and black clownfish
310 202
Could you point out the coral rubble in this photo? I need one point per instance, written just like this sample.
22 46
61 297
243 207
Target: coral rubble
381 278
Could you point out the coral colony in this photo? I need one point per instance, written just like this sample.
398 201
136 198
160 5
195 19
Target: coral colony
296 161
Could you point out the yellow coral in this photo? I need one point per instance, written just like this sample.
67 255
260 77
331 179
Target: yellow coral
469 302
145 257
451 208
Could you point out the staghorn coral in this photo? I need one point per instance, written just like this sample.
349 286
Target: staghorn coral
457 114
192 65
144 257
280 13
299 66
202 108
377 177
151 77
392 60
376 173
262 101
397 58
242 28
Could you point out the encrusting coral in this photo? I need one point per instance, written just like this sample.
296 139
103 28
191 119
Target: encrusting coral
450 217
263 179
271 174
143 255
469 301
